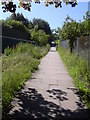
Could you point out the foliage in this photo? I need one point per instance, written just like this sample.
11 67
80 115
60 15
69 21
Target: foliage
18 17
42 38
69 31
42 25
15 28
60 34
78 69
17 25
83 28
30 25
72 29
34 34
17 66
39 36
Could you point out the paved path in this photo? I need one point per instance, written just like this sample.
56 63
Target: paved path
50 93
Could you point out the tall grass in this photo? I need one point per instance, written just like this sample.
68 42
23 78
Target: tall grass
17 66
78 69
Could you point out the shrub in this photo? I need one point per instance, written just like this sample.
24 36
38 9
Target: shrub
15 29
40 37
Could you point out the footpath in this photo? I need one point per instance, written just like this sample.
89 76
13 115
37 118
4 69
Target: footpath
49 94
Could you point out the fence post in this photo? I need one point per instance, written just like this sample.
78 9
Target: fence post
0 70
89 37
78 46
89 52
0 37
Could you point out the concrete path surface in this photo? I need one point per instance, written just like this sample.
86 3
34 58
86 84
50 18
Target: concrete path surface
49 94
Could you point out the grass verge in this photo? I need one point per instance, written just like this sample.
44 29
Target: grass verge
17 66
78 70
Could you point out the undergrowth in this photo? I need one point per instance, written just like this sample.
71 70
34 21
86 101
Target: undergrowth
17 65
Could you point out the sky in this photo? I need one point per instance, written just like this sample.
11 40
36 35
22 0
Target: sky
54 16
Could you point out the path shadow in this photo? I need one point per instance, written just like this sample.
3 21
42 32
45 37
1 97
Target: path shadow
32 105
76 91
58 94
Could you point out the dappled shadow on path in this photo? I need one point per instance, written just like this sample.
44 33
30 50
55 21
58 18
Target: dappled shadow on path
32 105
58 94
80 95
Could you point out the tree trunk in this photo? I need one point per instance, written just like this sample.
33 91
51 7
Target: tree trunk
71 45
71 49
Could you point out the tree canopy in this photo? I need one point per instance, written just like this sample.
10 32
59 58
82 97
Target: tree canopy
42 25
72 29
17 26
18 17
9 5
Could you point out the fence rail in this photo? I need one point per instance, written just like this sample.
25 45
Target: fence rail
22 40
10 41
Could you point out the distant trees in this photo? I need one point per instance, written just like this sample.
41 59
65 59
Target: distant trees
16 29
18 17
17 26
42 25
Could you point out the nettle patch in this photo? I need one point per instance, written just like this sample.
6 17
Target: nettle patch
11 5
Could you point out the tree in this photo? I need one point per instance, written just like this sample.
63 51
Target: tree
42 38
42 25
30 25
16 29
84 27
18 17
60 33
12 17
69 31
34 34
39 36
72 29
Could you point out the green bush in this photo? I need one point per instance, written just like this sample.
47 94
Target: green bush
15 29
42 38
17 25
39 36
78 69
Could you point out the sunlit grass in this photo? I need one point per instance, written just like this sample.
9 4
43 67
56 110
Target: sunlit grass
78 69
17 66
